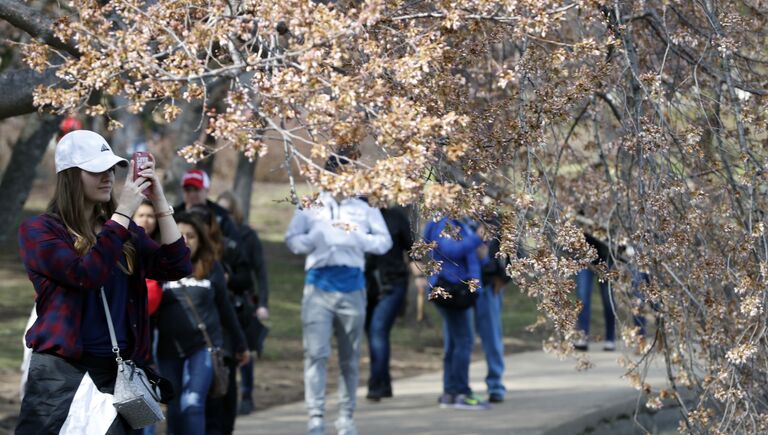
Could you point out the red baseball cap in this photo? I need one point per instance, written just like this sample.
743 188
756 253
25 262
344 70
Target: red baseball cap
196 178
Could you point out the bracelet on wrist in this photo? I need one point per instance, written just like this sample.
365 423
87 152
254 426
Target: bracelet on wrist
122 214
168 212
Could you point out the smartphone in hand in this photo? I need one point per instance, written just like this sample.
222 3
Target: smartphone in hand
140 158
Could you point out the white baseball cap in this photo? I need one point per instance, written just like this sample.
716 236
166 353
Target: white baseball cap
86 150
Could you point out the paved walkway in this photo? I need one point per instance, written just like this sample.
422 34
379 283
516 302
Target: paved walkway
545 396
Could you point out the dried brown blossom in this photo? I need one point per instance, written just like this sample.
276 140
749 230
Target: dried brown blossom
640 123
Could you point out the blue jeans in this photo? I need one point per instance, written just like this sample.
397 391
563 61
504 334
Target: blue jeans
584 281
488 325
191 378
458 340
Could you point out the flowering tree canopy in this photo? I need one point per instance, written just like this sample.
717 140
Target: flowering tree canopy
640 123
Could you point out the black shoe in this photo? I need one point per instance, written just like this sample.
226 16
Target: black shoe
246 406
387 392
374 396
495 398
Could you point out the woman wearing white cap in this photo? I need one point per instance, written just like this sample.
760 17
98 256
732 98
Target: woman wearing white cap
83 243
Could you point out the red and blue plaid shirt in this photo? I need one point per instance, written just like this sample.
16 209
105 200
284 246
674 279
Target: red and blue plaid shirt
61 277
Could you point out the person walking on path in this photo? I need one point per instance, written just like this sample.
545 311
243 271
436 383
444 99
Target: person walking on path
84 243
487 313
182 351
196 185
335 236
221 412
252 306
460 263
387 282
584 284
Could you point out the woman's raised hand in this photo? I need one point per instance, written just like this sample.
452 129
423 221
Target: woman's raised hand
131 196
155 192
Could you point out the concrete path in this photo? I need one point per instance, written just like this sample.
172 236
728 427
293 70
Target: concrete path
545 396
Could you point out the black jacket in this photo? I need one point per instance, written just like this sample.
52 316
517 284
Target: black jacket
391 268
179 335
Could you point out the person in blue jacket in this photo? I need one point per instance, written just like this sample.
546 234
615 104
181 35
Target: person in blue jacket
460 262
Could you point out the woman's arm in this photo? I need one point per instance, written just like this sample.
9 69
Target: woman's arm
45 248
170 262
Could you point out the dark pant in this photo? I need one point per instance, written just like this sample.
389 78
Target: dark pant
220 413
379 324
246 379
51 387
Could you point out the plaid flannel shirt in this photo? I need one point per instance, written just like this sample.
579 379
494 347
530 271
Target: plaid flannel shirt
61 276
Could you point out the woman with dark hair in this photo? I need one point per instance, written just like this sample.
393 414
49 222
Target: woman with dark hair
83 246
145 218
222 411
182 352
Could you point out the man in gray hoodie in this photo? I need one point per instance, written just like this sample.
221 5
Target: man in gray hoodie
335 235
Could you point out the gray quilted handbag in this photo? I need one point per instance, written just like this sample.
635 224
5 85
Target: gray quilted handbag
135 398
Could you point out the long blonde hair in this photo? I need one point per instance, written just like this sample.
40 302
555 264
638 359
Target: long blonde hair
68 204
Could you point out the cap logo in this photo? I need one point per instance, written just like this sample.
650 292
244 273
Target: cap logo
104 148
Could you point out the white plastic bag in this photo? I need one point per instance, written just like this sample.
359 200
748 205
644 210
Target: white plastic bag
91 411
27 352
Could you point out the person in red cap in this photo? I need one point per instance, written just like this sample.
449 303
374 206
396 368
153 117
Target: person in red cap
196 185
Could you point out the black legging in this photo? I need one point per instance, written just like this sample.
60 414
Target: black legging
220 413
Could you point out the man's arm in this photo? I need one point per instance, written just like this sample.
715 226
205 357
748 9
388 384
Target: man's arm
378 241
297 236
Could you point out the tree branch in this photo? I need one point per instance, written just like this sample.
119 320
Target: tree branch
35 23
17 86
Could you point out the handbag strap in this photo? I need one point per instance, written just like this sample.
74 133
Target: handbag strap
200 323
111 326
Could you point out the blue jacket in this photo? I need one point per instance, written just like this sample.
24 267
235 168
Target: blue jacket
459 257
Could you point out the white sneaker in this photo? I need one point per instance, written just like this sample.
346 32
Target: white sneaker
609 346
316 426
346 426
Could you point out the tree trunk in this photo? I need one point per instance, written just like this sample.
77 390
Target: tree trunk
243 184
19 175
